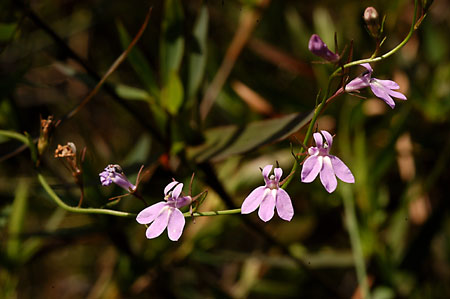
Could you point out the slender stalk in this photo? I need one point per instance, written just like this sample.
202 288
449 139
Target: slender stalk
66 207
213 213
14 135
355 240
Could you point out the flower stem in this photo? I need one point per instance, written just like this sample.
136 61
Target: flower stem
355 240
66 207
212 213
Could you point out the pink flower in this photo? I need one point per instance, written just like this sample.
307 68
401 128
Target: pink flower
268 197
329 166
166 213
383 89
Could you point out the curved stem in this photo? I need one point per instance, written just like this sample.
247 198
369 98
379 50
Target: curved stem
66 207
14 135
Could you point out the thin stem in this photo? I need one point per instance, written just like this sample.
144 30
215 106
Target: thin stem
355 240
212 213
66 207
14 135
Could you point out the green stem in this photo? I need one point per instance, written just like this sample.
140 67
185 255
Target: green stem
66 207
14 135
355 240
213 213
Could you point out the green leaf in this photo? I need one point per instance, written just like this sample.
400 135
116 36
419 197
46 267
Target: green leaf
226 141
172 94
198 54
132 93
16 221
139 63
172 43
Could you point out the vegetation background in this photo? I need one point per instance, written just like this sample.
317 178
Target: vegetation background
209 88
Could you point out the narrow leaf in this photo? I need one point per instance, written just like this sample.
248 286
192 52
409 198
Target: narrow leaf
198 54
226 141
172 94
139 63
172 43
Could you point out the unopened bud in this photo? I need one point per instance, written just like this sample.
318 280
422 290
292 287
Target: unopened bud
372 20
46 128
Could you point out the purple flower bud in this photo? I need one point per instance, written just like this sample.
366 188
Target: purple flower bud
372 20
319 48
113 174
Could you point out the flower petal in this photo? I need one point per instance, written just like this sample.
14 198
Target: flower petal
278 173
176 192
387 83
341 170
367 66
169 187
150 213
266 171
328 138
253 200
159 224
284 205
267 207
357 83
397 95
182 201
311 168
381 92
318 139
327 176
176 225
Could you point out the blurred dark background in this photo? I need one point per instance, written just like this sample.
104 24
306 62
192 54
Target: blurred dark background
151 112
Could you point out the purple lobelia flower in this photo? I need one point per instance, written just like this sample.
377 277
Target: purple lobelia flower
383 89
113 174
268 197
166 213
319 48
329 166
